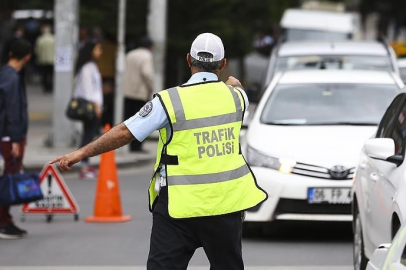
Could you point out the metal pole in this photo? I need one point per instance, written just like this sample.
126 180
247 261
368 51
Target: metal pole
156 25
120 65
66 36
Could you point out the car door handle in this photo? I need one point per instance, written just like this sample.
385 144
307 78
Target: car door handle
374 177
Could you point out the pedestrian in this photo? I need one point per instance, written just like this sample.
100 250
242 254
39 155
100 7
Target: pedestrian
138 82
201 184
45 51
13 123
88 85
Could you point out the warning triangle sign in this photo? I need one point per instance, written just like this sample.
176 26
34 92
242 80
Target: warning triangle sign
57 196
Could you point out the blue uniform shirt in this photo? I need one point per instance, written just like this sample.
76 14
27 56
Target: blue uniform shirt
142 126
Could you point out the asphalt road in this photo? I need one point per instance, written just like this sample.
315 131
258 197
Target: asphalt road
64 243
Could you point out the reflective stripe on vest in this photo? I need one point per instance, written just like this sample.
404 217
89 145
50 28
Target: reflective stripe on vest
183 124
211 177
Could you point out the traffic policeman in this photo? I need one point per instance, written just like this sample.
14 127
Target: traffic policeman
201 183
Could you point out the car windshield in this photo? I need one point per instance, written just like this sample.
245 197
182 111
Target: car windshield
403 73
327 104
347 62
293 34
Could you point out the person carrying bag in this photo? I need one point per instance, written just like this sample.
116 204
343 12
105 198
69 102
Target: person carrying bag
13 133
87 100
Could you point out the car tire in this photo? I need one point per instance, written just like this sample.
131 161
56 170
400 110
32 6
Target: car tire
360 260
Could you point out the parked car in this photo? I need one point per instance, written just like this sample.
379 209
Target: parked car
390 256
402 68
301 24
304 140
347 55
379 192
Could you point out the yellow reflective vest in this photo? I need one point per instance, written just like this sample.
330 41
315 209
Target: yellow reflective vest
206 173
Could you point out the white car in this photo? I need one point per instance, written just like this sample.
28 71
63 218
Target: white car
379 204
304 140
402 68
390 256
347 55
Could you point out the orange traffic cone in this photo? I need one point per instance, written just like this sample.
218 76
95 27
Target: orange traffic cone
107 206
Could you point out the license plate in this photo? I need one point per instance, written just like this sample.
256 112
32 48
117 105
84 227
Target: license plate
329 195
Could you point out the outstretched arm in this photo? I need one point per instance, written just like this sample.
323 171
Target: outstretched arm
113 139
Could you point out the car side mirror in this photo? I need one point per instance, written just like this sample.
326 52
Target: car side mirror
383 149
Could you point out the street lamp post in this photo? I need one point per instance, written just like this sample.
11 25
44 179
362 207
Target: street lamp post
156 25
120 65
66 33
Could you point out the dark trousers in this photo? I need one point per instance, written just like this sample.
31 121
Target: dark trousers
47 77
90 129
174 241
131 107
11 165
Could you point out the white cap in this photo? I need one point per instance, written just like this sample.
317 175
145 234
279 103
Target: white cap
208 43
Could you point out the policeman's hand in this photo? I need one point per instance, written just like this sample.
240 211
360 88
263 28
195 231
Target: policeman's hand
15 149
233 82
66 162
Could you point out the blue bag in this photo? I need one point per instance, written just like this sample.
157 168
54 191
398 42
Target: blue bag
20 188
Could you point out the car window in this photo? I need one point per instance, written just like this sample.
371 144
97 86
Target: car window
399 131
389 117
293 34
327 104
345 62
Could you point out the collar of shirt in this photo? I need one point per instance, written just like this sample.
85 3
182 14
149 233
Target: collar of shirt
202 77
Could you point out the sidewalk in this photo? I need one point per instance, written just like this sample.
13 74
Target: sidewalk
40 126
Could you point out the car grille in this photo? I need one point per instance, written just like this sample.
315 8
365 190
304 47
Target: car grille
291 206
319 172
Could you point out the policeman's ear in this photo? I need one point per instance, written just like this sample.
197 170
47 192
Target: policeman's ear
223 64
189 60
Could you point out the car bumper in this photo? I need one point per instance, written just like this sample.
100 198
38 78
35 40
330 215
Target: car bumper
287 198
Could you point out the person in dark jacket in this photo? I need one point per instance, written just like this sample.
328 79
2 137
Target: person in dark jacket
13 123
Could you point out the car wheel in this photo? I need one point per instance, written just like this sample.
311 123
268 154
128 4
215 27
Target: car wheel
360 260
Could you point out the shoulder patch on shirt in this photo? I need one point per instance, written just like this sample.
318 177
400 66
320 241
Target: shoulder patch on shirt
146 109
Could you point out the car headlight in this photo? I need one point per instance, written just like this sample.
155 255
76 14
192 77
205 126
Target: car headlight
256 158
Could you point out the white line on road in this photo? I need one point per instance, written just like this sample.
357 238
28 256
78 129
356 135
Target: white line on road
189 268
